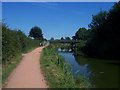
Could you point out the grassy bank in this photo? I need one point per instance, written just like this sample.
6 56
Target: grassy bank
56 73
0 76
8 68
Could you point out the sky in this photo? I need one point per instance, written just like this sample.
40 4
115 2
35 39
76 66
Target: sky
56 19
59 0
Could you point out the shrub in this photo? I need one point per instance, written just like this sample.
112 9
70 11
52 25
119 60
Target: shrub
14 43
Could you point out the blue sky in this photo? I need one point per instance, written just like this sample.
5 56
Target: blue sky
56 20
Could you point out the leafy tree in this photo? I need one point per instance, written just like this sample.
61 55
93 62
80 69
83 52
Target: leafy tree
62 38
45 39
36 33
104 42
98 20
52 38
81 34
73 37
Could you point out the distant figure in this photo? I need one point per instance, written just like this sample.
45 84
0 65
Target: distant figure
41 44
44 43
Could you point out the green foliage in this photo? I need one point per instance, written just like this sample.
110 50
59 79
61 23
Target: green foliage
82 34
73 37
104 41
98 20
1 76
62 38
52 38
56 72
14 43
77 48
102 36
7 69
36 33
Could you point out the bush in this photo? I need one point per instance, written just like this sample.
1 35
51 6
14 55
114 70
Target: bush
14 43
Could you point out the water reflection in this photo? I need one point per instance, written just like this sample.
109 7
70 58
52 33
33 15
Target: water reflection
77 69
64 49
100 73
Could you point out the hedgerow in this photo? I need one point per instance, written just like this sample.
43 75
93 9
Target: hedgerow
14 43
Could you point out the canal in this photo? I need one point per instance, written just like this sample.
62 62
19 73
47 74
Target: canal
100 73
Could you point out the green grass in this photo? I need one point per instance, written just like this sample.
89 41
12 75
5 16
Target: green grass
9 67
55 72
0 76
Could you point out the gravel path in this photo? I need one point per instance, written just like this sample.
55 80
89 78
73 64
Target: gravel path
28 73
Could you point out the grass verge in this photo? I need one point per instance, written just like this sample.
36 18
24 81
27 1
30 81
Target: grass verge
9 67
56 73
0 76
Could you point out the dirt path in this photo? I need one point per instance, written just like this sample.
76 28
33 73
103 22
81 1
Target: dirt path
28 73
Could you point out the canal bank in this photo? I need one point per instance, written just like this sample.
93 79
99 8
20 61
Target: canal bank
99 73
56 71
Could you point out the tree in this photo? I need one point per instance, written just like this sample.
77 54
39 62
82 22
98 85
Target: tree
73 37
62 38
52 38
105 35
81 34
98 20
36 33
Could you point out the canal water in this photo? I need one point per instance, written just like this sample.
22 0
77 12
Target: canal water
100 73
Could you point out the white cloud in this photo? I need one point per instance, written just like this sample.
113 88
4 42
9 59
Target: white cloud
60 0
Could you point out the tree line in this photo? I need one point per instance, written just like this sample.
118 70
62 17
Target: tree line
15 42
102 38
